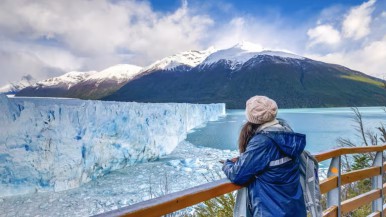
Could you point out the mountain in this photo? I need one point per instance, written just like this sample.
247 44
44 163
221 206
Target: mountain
233 75
105 82
237 55
95 85
55 87
14 87
184 60
84 85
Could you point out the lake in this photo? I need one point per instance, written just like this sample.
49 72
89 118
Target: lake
322 126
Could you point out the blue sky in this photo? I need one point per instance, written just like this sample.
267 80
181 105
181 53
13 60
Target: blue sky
294 10
48 38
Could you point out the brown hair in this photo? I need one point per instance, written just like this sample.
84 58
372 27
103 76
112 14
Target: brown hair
246 133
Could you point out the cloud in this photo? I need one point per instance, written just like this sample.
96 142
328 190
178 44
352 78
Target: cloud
356 24
323 34
23 64
362 42
167 35
268 32
92 35
369 59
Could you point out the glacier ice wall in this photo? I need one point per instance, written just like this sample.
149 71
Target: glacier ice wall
57 144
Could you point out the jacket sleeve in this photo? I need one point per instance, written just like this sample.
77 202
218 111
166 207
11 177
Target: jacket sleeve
254 160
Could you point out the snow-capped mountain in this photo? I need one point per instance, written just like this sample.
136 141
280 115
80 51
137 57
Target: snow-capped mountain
104 82
83 84
15 87
228 75
66 81
189 59
233 75
94 85
120 73
241 53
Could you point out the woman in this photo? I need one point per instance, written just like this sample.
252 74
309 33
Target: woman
269 162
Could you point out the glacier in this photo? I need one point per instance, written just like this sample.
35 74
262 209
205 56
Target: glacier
58 144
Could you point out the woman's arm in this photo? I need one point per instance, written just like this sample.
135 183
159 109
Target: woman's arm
254 160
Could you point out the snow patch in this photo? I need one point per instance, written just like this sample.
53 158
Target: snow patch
189 58
241 53
120 73
15 87
69 79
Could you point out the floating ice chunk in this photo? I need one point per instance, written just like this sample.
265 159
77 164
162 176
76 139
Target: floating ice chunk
201 170
191 162
173 163
143 186
187 169
187 161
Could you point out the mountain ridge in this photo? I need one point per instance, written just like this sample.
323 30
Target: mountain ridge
14 87
293 83
232 75
84 85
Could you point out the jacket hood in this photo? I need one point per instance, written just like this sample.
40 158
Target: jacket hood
292 144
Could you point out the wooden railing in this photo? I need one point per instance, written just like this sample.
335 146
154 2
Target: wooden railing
331 185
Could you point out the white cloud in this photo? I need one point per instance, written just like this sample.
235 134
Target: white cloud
362 42
82 34
323 34
356 24
268 32
369 59
15 64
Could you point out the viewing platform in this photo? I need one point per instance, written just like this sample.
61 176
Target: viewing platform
331 186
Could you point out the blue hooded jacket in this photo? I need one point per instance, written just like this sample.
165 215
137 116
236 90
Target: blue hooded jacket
273 190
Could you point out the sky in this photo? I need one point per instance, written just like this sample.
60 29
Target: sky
49 38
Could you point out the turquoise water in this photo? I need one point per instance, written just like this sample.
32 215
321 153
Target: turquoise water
322 126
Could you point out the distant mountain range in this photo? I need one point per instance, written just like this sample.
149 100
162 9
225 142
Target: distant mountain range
231 75
14 87
83 85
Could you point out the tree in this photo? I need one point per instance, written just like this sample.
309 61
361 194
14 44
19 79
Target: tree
360 161
221 206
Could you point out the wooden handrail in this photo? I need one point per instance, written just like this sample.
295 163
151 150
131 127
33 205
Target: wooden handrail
175 201
357 175
331 212
342 151
182 199
328 184
360 200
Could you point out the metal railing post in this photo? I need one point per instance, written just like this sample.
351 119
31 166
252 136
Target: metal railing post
377 183
334 196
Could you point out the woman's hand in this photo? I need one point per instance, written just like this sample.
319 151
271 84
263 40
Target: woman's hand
235 159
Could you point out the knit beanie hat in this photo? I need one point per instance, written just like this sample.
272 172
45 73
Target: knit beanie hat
260 109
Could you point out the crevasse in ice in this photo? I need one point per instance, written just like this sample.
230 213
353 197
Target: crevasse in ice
58 144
